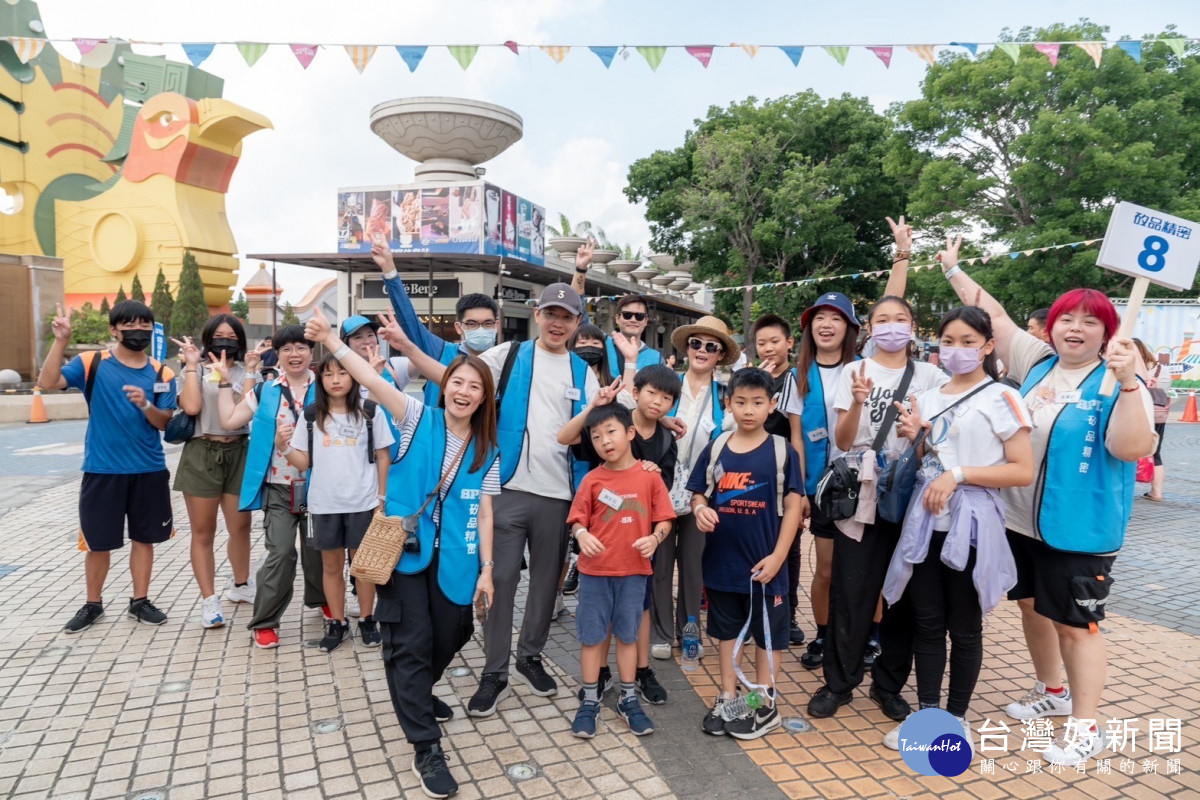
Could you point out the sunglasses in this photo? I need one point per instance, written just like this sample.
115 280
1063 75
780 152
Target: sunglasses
638 315
708 347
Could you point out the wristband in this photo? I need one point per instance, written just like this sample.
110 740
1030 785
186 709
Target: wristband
341 352
387 276
483 564
579 271
957 472
1133 388
192 370
578 531
224 385
147 404
950 273
902 255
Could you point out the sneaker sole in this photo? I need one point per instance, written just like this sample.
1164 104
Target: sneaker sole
271 646
217 623
373 644
811 667
758 732
144 621
645 699
721 732
645 732
583 734
832 713
487 712
1053 712
425 789
70 632
534 689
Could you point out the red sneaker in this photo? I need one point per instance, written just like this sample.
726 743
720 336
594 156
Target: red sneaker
266 638
326 613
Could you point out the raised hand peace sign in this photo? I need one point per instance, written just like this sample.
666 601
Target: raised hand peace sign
902 232
949 257
188 351
909 423
607 393
220 366
861 385
583 256
61 324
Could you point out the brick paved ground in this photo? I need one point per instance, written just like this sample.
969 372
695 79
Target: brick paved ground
127 710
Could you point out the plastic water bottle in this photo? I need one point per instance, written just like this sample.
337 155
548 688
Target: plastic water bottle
691 645
742 705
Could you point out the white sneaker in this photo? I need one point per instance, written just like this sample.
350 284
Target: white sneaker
353 610
241 594
560 606
210 612
660 651
1038 703
891 740
1073 746
968 734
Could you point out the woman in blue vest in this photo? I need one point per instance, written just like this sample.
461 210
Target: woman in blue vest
1066 528
448 456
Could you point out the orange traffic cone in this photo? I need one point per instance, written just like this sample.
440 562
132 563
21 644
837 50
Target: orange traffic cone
1189 411
37 411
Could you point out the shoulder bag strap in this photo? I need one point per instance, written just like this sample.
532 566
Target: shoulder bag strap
889 416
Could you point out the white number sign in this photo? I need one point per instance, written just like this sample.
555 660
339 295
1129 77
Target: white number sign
1150 244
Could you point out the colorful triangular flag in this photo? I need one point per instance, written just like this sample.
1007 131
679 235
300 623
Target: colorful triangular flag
1010 49
1028 252
304 53
555 51
838 52
703 54
971 262
925 51
86 45
884 54
511 45
464 54
412 55
605 54
972 46
196 53
27 47
1093 49
793 52
1050 50
360 55
1014 256
653 55
1176 45
1090 242
984 259
1133 48
751 49
251 51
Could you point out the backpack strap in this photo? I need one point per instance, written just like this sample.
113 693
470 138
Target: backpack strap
368 409
92 365
510 360
714 455
310 416
780 464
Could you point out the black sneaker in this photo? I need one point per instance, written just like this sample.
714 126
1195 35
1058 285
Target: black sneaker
436 780
815 654
368 629
758 724
893 705
872 652
335 632
144 611
795 635
826 702
530 668
713 723
441 711
493 687
571 582
84 617
649 688
603 684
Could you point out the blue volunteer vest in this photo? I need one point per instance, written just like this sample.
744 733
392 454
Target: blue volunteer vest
512 415
433 391
262 444
1083 495
646 357
718 411
816 454
456 538
394 449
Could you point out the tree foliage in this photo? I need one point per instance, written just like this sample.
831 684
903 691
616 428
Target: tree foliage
240 307
135 290
190 312
121 296
161 302
105 308
289 316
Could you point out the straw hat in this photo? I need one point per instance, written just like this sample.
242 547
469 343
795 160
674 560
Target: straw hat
709 326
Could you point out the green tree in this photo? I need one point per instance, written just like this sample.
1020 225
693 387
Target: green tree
89 325
240 307
105 308
161 302
289 316
190 312
1034 156
121 297
135 290
775 191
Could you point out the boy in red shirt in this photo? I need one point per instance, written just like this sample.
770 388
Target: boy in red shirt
619 516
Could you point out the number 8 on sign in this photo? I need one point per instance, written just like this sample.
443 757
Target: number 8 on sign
1154 255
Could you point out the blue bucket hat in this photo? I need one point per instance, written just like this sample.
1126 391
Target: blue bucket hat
837 301
352 324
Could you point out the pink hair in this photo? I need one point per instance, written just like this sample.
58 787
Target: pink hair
1090 302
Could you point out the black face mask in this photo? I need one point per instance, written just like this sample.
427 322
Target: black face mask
136 340
592 355
224 347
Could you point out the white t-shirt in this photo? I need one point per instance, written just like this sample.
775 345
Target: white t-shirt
973 433
543 469
1044 406
925 376
830 380
342 480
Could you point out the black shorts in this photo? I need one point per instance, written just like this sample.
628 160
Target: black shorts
1068 588
727 613
820 525
1161 429
107 501
340 531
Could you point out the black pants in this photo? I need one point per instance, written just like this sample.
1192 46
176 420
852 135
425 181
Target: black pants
858 572
422 631
945 600
793 568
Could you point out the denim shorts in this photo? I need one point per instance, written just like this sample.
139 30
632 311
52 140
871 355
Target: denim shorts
609 602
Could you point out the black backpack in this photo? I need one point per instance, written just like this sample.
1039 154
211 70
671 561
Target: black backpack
368 410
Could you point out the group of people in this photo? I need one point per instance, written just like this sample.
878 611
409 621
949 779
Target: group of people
682 495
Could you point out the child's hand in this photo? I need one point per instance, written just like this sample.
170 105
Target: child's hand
589 545
283 436
675 425
646 546
861 385
650 466
706 519
765 570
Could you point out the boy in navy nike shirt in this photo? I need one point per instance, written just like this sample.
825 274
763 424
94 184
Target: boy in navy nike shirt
748 541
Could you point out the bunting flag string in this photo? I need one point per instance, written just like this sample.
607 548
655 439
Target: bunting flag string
701 54
839 52
196 53
751 49
1093 49
924 51
511 45
884 54
653 56
411 55
605 54
252 51
793 53
1050 50
464 54
305 53
1133 48
556 52
1011 49
86 45
26 47
360 55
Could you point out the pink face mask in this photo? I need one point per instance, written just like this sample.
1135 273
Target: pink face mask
960 360
891 336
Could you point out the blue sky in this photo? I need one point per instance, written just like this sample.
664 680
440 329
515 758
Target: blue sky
584 125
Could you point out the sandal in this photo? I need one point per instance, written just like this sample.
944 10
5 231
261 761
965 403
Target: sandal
1151 497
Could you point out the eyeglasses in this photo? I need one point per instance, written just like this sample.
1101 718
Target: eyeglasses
708 347
472 325
638 315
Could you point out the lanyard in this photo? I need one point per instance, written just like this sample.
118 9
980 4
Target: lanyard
737 647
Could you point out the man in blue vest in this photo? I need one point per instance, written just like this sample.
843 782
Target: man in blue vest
632 317
541 385
476 315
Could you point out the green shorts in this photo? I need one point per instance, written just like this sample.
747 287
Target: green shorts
208 468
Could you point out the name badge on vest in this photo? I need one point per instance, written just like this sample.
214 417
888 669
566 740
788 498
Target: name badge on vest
818 434
1066 398
571 393
161 387
611 499
707 426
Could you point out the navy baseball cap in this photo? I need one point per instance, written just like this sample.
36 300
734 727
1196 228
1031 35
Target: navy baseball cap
352 324
835 300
